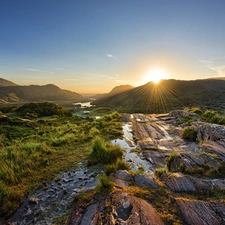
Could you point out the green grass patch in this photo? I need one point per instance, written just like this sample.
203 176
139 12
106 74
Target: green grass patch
189 133
104 153
30 156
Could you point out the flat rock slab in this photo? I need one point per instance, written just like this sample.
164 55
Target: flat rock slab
178 182
123 178
146 180
141 212
117 208
217 148
200 212
156 158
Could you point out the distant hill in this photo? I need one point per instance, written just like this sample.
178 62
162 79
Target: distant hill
119 89
15 93
169 95
115 90
6 83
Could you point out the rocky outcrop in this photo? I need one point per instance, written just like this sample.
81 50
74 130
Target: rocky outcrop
201 212
118 208
209 131
145 180
179 115
217 148
178 182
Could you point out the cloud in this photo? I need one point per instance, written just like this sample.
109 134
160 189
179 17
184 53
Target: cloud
36 70
111 56
215 64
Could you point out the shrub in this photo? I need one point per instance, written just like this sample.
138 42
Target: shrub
189 133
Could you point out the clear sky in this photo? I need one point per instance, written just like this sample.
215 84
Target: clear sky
94 45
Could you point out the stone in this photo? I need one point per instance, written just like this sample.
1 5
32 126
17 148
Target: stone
201 212
123 178
178 182
145 180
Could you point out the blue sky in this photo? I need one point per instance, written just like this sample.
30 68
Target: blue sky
94 45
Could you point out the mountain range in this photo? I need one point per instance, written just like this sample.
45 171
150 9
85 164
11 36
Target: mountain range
169 95
13 93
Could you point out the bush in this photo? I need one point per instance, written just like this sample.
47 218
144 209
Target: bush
189 133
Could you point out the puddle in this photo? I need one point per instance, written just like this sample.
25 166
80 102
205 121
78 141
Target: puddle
135 159
52 201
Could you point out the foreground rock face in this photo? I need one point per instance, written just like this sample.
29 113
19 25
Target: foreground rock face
201 212
119 208
177 182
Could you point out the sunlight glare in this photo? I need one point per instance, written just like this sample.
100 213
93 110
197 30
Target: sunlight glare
155 75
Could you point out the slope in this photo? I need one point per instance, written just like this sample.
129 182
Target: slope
169 95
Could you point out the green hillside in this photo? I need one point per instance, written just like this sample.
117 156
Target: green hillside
169 95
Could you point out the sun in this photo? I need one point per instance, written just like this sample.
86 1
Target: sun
156 74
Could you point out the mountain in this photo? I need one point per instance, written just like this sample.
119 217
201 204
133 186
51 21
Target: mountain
6 83
49 92
119 89
169 95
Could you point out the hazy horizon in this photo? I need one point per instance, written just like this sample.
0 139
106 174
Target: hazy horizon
91 47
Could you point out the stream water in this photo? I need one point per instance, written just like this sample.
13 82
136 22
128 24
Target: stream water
131 153
54 199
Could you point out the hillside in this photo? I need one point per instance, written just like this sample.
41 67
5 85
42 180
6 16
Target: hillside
169 95
50 92
6 83
119 89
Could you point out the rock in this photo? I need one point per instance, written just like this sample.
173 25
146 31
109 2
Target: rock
208 131
88 218
156 158
145 180
123 178
178 182
189 161
33 200
214 148
180 114
201 212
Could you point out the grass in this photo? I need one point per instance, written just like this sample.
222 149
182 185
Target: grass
104 153
170 159
160 199
104 183
118 165
30 157
189 133
160 171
